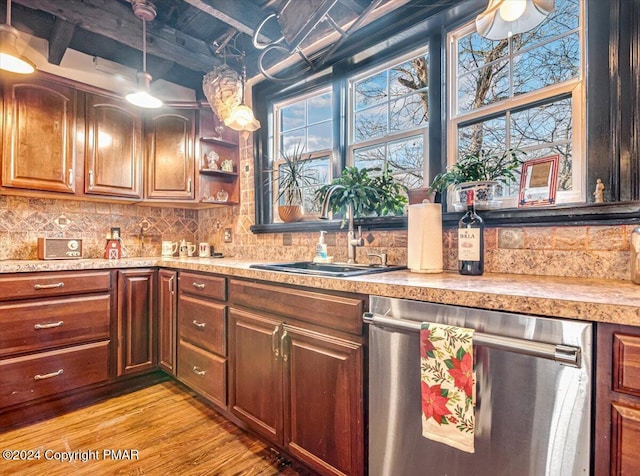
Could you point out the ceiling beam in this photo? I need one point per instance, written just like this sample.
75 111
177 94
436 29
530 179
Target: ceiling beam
243 16
357 6
60 39
117 22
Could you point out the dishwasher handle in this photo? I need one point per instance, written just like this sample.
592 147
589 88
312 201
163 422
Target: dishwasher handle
563 354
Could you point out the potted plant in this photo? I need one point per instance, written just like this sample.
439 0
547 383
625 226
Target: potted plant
357 190
485 173
292 177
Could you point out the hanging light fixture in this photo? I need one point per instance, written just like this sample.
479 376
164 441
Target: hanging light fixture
222 87
504 18
142 96
10 59
241 117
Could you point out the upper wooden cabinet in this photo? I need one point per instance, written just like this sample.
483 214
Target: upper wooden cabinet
39 130
113 159
170 154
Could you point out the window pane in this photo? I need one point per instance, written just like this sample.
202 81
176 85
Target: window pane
490 135
371 123
369 157
560 61
547 124
408 77
292 116
319 137
564 18
318 170
484 86
408 112
320 108
475 51
291 140
371 91
406 161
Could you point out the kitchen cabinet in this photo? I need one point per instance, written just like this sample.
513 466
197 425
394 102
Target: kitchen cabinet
221 142
617 427
170 154
202 330
39 136
167 320
136 321
113 141
55 333
296 376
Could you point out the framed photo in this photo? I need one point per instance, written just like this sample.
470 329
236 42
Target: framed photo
539 181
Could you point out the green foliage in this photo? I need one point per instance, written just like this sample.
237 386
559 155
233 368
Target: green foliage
293 175
473 168
381 194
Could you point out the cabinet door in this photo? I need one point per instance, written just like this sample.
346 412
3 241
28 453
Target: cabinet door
170 155
324 405
167 305
38 138
136 331
114 148
256 373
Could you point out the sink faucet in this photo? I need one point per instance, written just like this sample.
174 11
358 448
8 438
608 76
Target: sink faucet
353 240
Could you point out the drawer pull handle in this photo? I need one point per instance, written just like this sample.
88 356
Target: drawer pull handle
198 285
197 371
48 326
49 286
199 324
45 376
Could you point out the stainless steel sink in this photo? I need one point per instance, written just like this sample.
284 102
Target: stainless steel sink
326 269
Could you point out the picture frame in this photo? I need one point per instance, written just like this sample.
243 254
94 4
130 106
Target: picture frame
539 181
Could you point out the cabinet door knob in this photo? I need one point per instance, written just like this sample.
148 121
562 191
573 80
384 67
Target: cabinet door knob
48 326
197 371
170 284
45 376
201 325
48 286
189 185
198 285
275 348
70 178
283 346
91 180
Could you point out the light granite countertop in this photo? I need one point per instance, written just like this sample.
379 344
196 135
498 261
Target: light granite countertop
599 300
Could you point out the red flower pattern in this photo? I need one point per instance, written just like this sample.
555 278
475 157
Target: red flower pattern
462 373
434 405
425 342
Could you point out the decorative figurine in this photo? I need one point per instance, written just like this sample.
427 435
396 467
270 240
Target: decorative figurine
599 192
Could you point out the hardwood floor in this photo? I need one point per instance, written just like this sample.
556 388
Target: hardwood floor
160 430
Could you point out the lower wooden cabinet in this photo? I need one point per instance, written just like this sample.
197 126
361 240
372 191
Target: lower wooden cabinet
136 321
167 320
297 384
203 371
617 430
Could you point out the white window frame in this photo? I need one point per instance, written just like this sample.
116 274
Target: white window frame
573 87
384 140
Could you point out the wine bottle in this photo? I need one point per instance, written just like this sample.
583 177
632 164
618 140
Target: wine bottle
471 240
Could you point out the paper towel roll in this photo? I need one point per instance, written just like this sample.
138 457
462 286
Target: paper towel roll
424 243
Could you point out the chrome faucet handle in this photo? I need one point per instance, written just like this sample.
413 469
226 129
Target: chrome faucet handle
382 256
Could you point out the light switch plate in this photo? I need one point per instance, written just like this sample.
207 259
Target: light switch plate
227 236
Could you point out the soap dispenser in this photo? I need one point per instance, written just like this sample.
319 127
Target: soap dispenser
321 248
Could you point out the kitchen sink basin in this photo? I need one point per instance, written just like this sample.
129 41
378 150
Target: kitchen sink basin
326 269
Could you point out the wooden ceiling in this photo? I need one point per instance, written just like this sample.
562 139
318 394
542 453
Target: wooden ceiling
187 37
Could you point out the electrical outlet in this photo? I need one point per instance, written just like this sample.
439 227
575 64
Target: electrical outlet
227 236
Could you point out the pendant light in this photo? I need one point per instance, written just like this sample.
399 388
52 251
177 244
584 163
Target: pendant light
241 117
10 59
504 18
142 96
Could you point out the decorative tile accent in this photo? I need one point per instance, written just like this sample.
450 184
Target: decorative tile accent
62 222
511 238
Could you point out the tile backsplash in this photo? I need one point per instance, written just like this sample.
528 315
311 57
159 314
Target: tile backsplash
580 251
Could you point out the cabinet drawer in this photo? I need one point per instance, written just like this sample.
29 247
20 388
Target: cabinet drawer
626 364
24 286
203 323
34 376
213 287
328 310
27 325
203 371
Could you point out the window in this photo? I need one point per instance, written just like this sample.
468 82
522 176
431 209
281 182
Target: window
524 92
389 118
305 124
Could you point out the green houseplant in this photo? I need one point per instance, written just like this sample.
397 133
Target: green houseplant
292 177
483 172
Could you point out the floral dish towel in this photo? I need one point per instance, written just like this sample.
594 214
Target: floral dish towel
448 385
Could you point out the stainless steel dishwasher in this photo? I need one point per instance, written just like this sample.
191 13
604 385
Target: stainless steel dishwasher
533 405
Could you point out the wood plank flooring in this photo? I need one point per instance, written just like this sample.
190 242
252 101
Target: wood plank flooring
165 427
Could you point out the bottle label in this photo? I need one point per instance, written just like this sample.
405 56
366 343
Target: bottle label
469 244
